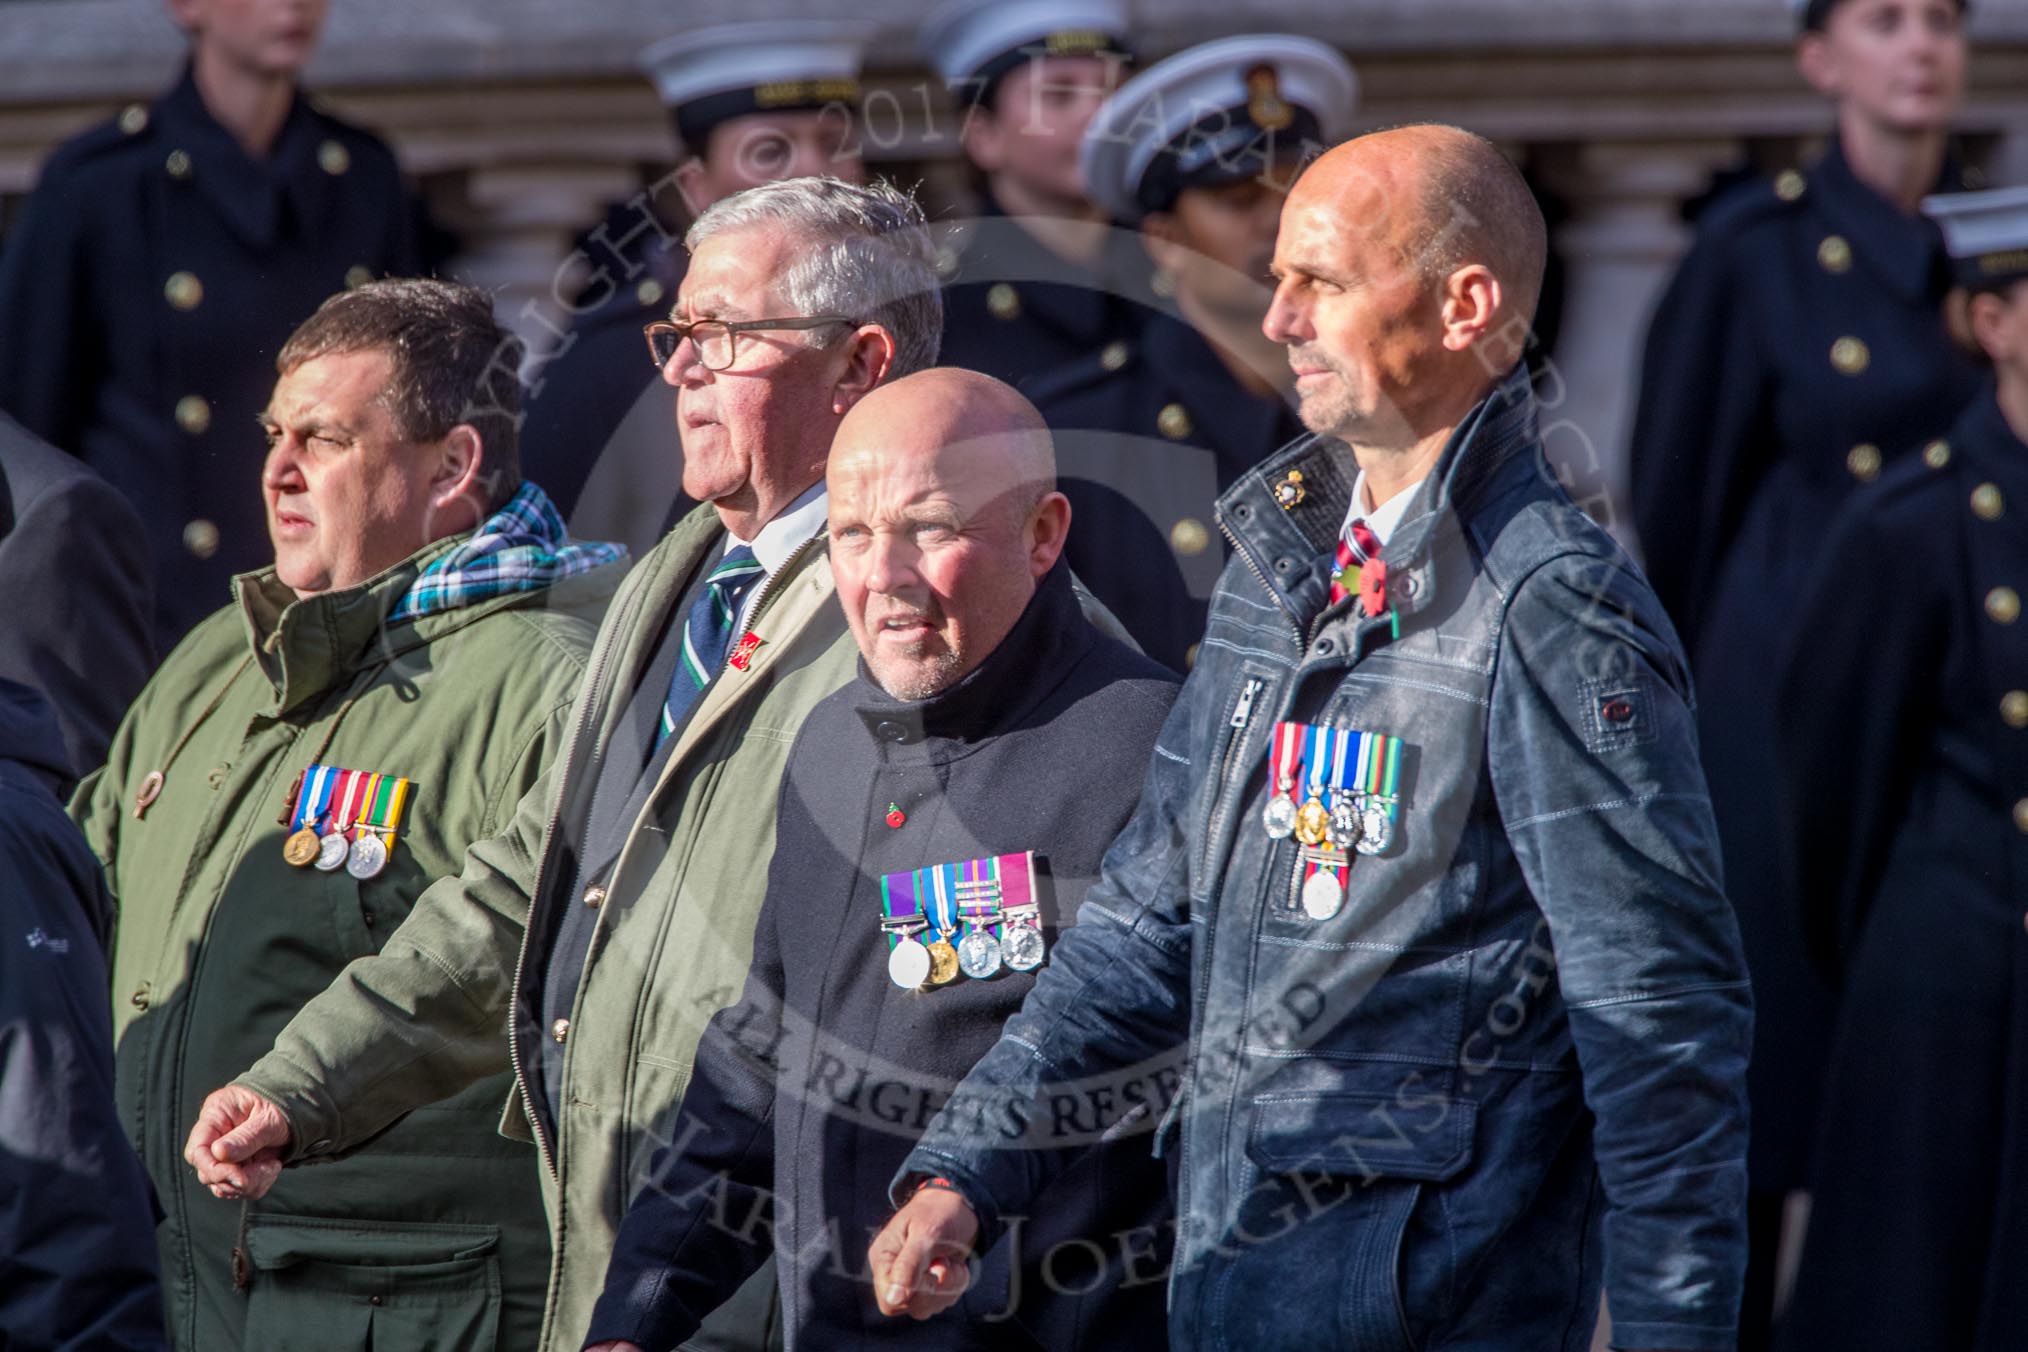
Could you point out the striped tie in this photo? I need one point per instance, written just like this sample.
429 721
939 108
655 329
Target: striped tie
1356 547
707 634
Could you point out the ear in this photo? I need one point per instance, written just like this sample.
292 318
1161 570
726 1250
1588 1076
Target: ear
1987 315
1048 527
869 358
691 187
1818 63
1472 297
458 487
983 139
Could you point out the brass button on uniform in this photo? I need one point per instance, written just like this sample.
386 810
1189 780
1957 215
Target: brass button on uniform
2014 708
1190 656
2003 604
594 896
357 275
649 292
1987 504
1003 301
134 119
193 414
1835 254
1114 356
178 164
200 537
1937 454
333 158
1174 422
1864 462
1789 185
1189 536
2021 815
183 290
1849 356
560 1029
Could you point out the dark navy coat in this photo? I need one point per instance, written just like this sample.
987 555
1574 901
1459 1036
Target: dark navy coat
1800 349
808 1092
79 595
77 1215
1149 431
596 397
1015 310
144 295
1906 809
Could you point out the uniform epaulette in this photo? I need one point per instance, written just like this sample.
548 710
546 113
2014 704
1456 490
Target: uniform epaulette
127 130
1744 205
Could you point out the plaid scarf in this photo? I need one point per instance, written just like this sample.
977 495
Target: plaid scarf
521 547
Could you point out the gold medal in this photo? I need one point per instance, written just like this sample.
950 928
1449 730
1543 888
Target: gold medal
300 848
1313 823
943 963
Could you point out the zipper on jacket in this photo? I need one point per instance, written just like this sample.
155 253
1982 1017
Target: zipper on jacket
1242 711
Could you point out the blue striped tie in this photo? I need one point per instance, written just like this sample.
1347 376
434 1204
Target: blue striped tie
707 634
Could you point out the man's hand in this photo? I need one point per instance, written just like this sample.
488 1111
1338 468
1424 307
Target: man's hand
918 1260
236 1146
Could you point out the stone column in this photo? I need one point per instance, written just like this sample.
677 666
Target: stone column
1619 247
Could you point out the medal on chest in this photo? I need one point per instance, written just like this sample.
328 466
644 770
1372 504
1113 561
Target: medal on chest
345 819
991 900
313 801
1334 791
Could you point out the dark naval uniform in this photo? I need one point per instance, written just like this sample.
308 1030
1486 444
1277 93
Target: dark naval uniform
1015 310
598 393
1149 432
1907 815
1799 351
143 297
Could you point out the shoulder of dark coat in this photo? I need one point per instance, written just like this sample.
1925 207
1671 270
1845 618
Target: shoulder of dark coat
34 470
367 149
100 153
1746 211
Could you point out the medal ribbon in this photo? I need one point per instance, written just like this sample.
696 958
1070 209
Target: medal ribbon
1380 770
900 910
979 893
357 793
315 797
1317 756
936 886
345 787
1282 761
383 812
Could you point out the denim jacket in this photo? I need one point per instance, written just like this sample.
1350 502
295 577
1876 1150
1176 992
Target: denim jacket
1510 1070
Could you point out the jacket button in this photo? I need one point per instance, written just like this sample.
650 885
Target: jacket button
333 158
139 999
2021 816
1327 646
1987 504
2004 605
1834 254
594 896
2014 708
1864 462
373 1300
890 731
357 275
200 537
560 1029
193 414
134 119
1849 356
1937 454
1003 301
1190 656
183 291
1114 356
1189 536
178 164
1174 422
650 292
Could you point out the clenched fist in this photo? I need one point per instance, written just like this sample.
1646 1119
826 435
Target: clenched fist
236 1146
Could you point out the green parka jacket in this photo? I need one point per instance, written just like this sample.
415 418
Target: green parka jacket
432 1235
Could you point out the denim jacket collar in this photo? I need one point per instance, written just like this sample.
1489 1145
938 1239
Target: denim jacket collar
1288 541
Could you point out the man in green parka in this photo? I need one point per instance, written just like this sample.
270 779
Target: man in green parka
301 768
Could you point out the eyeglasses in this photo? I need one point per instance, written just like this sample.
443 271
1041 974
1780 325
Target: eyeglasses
717 340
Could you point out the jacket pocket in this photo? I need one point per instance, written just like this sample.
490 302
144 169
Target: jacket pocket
1318 1253
339 1286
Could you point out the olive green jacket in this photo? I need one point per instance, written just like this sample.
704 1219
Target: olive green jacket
432 1236
675 932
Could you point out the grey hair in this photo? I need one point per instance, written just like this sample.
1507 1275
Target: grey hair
872 256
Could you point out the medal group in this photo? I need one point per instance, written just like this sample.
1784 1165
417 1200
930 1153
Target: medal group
344 819
1334 790
992 900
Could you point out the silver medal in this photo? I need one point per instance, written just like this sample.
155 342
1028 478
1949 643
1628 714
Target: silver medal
1323 894
979 954
331 851
367 857
1376 829
1023 947
1279 817
1345 829
908 966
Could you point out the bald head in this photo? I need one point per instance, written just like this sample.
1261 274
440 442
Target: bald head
1409 264
1444 198
943 519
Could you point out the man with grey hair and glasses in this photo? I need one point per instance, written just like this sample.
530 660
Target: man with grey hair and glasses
615 911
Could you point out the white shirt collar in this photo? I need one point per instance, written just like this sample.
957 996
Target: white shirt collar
1382 519
789 529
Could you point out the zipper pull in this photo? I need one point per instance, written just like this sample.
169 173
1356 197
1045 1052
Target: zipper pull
1243 710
